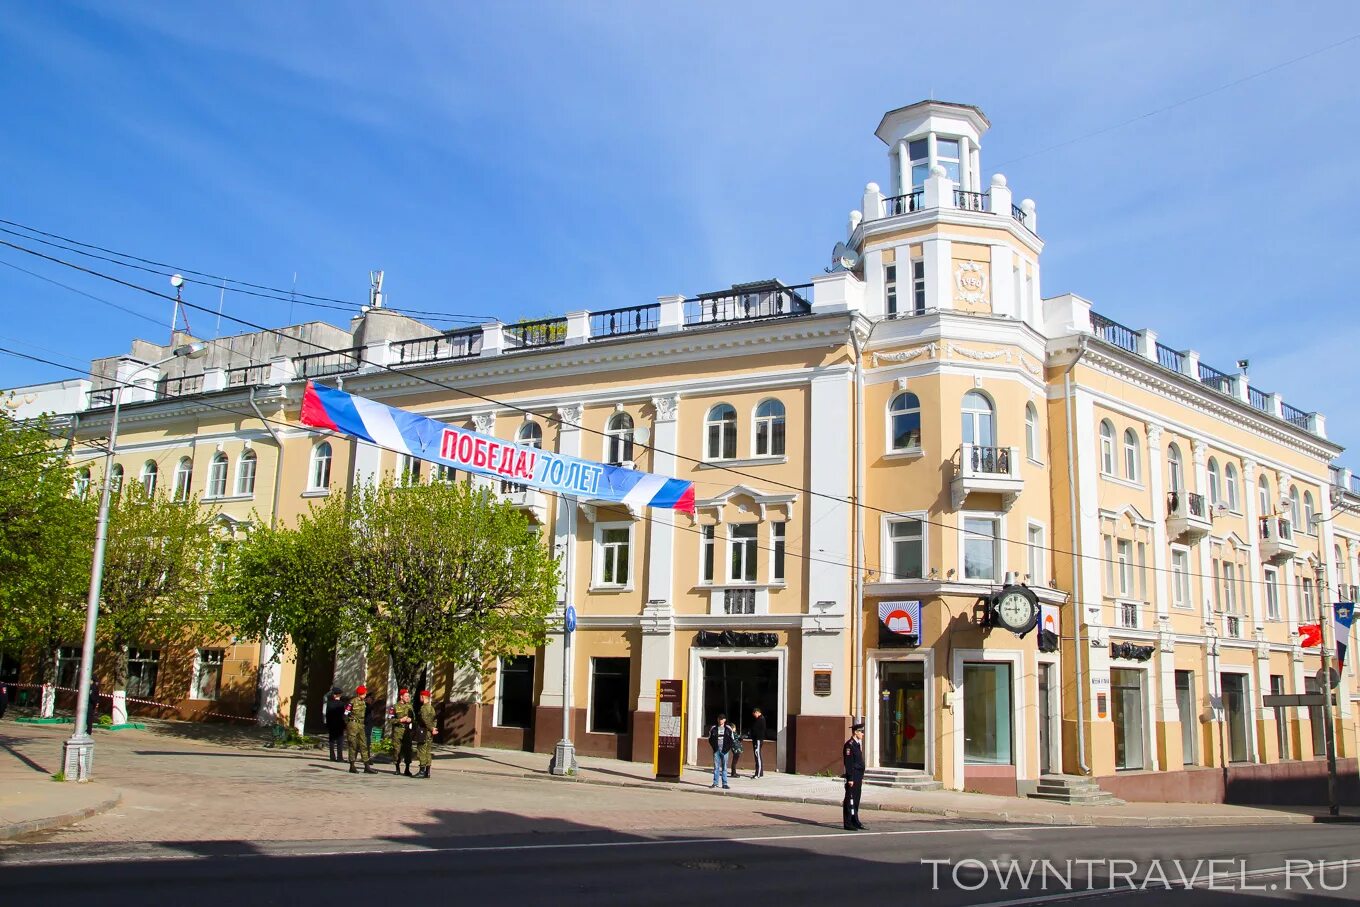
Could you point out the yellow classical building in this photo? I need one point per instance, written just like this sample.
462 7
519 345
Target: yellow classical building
876 455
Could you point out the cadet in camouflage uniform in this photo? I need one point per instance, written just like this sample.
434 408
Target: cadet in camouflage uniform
356 734
402 715
424 733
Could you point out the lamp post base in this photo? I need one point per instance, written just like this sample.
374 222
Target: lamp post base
78 757
564 759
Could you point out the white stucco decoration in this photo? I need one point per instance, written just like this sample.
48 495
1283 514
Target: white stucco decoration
971 282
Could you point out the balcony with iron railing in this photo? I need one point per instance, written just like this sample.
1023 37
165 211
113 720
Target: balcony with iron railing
181 386
625 322
529 335
333 362
748 302
1187 515
980 469
940 194
531 500
249 375
441 348
1277 538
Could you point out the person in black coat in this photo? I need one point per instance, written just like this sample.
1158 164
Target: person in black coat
853 757
4 699
758 730
335 724
720 738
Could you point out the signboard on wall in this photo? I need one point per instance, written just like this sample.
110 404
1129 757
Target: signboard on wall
668 748
821 679
899 623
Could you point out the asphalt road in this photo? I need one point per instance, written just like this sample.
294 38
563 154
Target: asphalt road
794 862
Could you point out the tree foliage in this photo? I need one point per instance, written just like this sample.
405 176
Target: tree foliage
46 539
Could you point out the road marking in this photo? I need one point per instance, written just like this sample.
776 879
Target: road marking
519 848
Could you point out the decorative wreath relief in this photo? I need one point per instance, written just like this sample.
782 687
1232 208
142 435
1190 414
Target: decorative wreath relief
971 282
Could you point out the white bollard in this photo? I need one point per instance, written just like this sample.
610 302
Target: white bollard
120 715
49 700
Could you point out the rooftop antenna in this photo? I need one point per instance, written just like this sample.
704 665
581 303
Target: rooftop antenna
375 282
292 298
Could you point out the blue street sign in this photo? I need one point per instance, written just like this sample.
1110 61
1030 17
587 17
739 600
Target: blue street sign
571 618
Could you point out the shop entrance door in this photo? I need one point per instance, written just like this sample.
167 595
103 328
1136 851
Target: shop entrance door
902 714
1045 718
734 686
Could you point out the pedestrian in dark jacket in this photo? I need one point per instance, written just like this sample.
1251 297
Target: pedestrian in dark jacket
757 739
92 707
375 713
335 724
4 700
720 738
853 758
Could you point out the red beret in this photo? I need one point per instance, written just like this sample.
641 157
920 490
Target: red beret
361 689
425 692
402 691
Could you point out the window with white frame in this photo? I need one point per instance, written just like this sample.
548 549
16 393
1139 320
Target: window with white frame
443 474
409 470
1263 497
143 668
1308 513
981 548
245 473
1230 487
184 479
890 289
82 483
919 152
906 549
612 546
1131 459
769 429
720 428
777 542
979 420
1229 575
918 285
1106 447
904 416
1124 561
207 674
1272 594
619 439
530 434
947 156
741 545
1128 615
1180 577
217 476
1175 468
1306 603
1142 571
319 473
707 542
1031 432
148 478
1215 483
116 478
1295 508
1034 538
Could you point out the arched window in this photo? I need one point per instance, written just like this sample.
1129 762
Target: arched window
904 416
619 439
1215 483
217 476
530 434
1031 432
319 476
184 479
1131 460
1295 513
116 478
1230 486
1308 512
82 483
1107 447
149 471
721 429
245 473
979 420
1263 496
769 429
1176 468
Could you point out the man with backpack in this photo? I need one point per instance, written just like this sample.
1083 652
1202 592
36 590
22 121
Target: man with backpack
721 739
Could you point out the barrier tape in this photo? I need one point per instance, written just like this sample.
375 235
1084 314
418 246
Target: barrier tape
109 696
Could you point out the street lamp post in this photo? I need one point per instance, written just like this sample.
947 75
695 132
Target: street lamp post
78 750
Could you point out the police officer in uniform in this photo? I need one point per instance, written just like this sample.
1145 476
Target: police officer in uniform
425 730
402 715
356 734
854 778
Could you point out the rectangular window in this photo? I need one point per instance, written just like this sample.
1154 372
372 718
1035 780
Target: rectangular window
706 534
207 674
919 152
1235 713
1272 595
1124 555
408 470
918 285
1128 615
1142 571
1281 719
987 714
68 667
947 156
1218 587
1109 564
1180 578
1185 704
1036 555
777 542
613 557
1309 612
1229 587
609 695
515 692
905 538
890 288
980 560
143 666
742 539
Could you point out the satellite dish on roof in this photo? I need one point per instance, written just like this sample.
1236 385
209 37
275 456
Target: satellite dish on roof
844 258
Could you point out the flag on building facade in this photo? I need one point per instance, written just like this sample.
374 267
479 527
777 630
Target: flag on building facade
1345 614
429 439
1310 635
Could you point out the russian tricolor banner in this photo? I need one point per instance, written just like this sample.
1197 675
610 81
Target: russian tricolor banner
432 440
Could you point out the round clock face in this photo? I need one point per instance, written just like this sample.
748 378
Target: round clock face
1015 611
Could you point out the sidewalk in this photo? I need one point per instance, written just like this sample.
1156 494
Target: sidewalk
829 791
31 801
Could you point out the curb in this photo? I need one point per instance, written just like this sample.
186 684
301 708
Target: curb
943 812
46 823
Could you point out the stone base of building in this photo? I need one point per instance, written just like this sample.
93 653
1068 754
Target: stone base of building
547 732
1302 783
458 722
998 780
644 736
815 743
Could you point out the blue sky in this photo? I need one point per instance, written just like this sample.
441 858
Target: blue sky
522 160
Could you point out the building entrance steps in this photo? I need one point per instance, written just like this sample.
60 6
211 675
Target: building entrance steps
901 779
1074 790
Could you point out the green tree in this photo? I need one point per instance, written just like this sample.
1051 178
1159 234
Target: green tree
46 540
158 573
445 572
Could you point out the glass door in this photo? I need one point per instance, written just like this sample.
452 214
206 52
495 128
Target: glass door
1126 687
902 714
1235 711
1045 718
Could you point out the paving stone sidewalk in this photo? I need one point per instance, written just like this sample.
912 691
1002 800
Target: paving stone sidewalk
31 801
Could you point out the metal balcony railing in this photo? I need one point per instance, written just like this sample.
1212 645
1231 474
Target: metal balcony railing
1113 332
894 205
1193 504
248 375
739 601
1219 381
535 334
334 362
970 201
994 461
1294 416
445 347
101 396
1169 358
182 386
748 302
629 320
1259 399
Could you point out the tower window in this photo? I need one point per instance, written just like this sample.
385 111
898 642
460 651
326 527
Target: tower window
919 150
947 156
